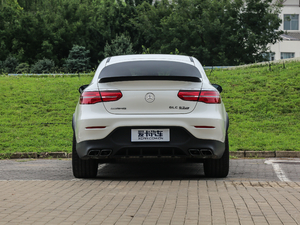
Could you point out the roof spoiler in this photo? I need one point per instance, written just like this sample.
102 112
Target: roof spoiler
135 78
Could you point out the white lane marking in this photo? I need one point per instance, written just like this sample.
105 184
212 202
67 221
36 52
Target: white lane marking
279 172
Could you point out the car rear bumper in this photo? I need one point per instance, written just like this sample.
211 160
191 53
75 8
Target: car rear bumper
118 145
207 122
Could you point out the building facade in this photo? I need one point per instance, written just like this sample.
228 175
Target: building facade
289 47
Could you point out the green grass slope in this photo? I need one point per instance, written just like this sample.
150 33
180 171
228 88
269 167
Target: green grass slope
36 112
263 105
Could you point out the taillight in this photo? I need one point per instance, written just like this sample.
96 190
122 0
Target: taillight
189 95
92 97
109 96
210 97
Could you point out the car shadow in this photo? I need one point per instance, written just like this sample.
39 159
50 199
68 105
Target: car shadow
151 171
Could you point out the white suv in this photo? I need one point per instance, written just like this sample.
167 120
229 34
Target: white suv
150 107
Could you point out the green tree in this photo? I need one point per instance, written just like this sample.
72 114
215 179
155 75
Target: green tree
43 66
78 60
148 23
10 64
225 32
1 67
50 28
23 68
11 3
8 22
121 45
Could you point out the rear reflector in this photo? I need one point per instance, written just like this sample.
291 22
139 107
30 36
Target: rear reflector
96 127
206 96
204 127
92 97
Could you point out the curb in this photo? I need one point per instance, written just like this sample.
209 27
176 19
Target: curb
238 154
34 155
265 154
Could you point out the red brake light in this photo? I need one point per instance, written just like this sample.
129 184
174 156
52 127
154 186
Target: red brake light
109 96
189 95
92 97
211 97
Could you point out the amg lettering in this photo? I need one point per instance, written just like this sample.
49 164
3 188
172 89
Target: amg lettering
118 108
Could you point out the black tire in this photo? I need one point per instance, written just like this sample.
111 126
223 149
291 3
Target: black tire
83 168
218 168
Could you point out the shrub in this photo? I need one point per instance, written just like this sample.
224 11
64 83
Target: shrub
10 64
23 68
78 60
119 46
43 66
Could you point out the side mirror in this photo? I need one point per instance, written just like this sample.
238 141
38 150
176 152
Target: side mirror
81 89
218 87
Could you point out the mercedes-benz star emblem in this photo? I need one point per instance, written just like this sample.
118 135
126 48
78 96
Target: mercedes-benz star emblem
150 97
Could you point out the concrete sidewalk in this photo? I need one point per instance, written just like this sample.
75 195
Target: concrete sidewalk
149 202
256 191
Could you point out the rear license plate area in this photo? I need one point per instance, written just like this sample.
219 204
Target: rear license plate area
150 135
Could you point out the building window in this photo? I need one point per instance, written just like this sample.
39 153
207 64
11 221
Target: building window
287 55
272 56
269 56
291 22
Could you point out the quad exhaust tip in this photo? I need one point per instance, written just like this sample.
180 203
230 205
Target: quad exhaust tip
105 152
201 152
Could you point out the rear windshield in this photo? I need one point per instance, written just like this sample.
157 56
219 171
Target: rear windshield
150 68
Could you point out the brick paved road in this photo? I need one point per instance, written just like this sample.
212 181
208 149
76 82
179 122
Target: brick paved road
44 192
